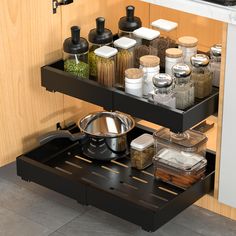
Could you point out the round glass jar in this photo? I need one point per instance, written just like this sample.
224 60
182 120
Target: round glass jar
173 57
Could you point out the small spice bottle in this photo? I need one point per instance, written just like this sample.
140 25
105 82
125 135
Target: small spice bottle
163 90
106 65
215 63
201 75
75 54
127 24
188 45
173 57
98 37
142 151
184 87
134 82
150 66
146 36
124 58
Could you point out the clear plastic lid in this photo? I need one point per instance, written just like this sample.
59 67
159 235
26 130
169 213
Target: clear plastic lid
142 142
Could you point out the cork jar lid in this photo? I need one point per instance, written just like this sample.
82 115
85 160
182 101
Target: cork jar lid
149 61
174 52
133 73
188 41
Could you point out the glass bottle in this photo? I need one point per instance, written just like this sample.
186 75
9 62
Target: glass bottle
98 37
201 75
184 87
75 54
163 90
173 57
215 63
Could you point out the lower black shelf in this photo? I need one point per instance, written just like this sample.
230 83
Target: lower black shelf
114 186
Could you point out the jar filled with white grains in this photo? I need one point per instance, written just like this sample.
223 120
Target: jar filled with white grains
173 57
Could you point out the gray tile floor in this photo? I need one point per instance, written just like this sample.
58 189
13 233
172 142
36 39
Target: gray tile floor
27 209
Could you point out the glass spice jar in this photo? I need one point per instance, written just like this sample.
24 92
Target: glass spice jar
188 45
124 58
215 63
134 82
163 90
201 75
106 65
98 37
146 36
184 87
150 66
173 57
75 54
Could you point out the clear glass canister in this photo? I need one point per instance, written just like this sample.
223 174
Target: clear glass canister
163 90
184 86
134 82
75 54
173 57
190 141
188 45
124 58
146 36
215 63
150 66
106 65
201 75
127 24
98 37
142 151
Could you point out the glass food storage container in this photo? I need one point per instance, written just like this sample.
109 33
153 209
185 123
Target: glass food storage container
188 45
189 141
173 57
98 37
146 36
75 54
179 168
106 65
150 66
163 90
142 151
127 24
168 30
201 75
215 63
124 58
184 87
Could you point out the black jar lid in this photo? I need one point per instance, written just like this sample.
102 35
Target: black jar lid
129 23
100 35
75 44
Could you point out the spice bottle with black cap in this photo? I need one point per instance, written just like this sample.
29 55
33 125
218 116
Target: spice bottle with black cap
75 54
98 37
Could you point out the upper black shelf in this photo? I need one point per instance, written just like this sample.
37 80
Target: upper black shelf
54 79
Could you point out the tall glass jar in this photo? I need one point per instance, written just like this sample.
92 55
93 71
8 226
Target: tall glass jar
150 66
98 37
184 87
106 65
188 45
215 63
163 90
201 75
124 58
173 57
147 36
75 54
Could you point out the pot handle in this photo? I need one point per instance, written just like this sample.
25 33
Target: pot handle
61 134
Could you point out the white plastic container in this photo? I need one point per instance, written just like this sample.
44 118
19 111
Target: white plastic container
142 151
165 25
173 57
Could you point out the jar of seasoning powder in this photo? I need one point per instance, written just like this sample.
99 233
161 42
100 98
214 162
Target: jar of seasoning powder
173 57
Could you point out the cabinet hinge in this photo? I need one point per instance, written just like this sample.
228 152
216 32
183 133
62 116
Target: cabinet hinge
57 3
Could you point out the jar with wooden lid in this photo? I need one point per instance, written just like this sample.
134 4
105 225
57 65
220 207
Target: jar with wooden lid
201 75
134 82
150 66
173 57
106 65
184 87
188 45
